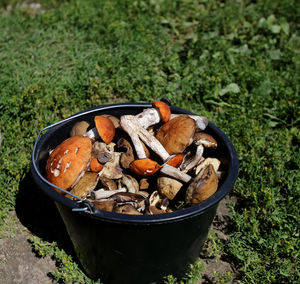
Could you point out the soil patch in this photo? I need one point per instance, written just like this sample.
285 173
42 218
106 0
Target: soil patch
218 270
18 264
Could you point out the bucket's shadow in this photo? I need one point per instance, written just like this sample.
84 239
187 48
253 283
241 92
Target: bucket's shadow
40 216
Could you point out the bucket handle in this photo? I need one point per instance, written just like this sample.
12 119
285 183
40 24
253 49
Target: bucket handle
88 205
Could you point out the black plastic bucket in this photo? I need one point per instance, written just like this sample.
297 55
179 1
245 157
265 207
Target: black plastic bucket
119 248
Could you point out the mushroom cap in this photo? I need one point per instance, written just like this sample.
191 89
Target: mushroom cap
79 128
144 167
68 161
95 166
163 110
114 120
168 187
105 128
85 185
204 186
205 139
176 134
176 160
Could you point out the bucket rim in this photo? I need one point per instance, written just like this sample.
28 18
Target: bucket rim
178 215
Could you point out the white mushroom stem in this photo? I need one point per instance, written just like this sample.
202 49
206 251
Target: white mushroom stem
103 194
148 117
130 128
201 121
134 129
92 133
175 173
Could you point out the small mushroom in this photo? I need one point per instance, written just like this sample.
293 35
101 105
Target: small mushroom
201 138
176 160
105 205
95 166
104 129
104 194
168 187
130 183
104 157
68 162
127 197
114 120
203 186
127 209
160 111
144 184
108 184
112 169
192 158
157 205
176 134
86 185
214 161
79 128
103 152
128 156
154 198
144 167
163 110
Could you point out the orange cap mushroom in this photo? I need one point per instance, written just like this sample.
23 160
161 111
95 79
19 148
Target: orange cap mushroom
105 128
163 109
95 166
68 161
144 167
176 161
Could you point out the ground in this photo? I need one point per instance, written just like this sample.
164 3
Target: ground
36 215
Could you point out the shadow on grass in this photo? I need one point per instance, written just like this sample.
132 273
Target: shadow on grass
38 213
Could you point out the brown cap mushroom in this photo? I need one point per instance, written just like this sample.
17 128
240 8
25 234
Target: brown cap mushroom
168 187
130 183
108 184
127 209
68 161
203 186
79 128
86 185
201 138
105 205
176 134
105 128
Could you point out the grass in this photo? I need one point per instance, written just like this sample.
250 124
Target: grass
237 62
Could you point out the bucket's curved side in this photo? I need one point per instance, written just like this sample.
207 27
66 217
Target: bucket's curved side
136 253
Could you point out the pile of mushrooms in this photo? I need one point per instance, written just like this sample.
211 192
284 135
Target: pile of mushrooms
150 163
